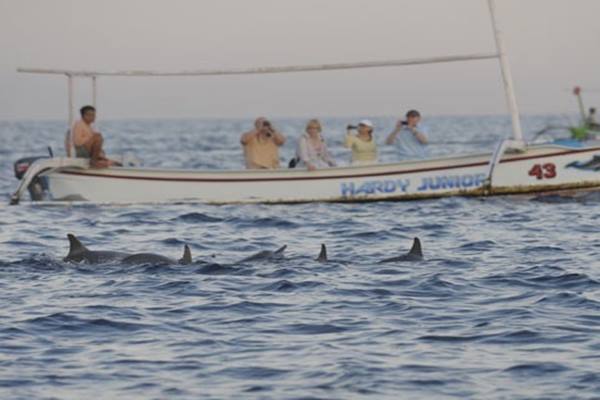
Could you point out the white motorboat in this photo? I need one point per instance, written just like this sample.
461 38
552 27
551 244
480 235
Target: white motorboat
513 167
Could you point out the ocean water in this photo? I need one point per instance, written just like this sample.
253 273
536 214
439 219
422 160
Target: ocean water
506 304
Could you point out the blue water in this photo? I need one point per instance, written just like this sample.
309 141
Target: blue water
505 306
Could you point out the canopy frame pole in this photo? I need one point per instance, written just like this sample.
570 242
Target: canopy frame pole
70 99
507 77
70 84
94 91
267 70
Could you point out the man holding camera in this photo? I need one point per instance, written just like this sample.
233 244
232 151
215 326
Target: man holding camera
261 145
409 137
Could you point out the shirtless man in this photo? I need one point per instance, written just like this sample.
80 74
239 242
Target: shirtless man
261 145
87 142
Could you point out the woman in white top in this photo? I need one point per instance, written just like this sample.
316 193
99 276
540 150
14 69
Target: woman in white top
312 152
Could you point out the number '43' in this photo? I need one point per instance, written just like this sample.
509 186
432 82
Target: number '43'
543 171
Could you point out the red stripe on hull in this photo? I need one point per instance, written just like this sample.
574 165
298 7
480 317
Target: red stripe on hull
368 175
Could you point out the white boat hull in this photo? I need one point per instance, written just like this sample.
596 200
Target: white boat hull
538 169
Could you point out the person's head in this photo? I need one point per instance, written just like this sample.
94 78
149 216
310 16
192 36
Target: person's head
313 127
258 123
365 127
413 117
88 114
263 126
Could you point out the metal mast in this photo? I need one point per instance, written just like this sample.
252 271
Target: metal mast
509 87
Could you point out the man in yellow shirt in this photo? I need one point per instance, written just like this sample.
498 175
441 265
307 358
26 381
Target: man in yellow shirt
261 145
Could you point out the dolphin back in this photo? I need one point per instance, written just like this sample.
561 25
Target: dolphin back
415 254
279 251
266 255
147 258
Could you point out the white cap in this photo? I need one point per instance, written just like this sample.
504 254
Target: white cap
366 122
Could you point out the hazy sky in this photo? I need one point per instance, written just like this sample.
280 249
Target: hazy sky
553 45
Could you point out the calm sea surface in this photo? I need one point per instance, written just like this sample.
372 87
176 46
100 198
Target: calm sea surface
505 306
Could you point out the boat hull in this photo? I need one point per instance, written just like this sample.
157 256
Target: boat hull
537 169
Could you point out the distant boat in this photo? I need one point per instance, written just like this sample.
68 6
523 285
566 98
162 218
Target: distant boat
514 167
584 130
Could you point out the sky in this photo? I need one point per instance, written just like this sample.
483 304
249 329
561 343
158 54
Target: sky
552 44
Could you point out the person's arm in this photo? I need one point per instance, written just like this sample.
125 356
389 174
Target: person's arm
420 136
327 157
391 139
246 137
350 138
278 138
303 153
303 150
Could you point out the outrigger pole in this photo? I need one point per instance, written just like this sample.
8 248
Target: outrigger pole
500 54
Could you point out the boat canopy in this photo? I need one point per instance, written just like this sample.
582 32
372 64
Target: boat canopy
265 70
500 54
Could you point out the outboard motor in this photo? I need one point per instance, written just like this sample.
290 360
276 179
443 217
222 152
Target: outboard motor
39 185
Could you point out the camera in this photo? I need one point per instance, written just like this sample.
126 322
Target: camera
267 124
350 127
404 123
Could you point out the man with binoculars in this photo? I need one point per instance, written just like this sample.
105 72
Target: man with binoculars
261 145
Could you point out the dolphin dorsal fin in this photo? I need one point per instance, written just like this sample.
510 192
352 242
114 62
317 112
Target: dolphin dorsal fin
323 254
75 246
281 249
187 256
416 250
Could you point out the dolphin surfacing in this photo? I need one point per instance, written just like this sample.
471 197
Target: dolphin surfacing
265 255
322 258
157 259
79 253
415 254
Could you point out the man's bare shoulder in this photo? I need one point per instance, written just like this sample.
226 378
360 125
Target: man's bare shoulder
78 124
247 136
83 126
